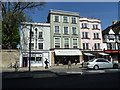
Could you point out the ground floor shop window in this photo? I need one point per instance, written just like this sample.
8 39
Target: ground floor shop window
64 59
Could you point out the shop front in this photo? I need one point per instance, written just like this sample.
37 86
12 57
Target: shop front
37 58
114 55
62 56
94 54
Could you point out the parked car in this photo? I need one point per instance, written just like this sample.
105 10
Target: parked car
99 63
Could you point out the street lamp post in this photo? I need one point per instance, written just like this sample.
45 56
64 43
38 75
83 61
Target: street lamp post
118 45
30 47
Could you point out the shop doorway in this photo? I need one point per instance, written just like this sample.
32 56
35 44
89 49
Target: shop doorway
25 59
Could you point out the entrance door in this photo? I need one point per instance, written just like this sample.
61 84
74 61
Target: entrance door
24 62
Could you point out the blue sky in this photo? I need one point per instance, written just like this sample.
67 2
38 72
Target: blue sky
105 11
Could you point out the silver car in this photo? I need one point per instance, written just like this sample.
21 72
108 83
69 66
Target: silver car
99 63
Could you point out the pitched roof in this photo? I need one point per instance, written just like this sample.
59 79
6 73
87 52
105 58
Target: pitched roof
114 27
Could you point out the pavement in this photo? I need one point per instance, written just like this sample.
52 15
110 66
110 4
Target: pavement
54 71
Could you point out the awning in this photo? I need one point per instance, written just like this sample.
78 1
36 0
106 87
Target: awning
104 54
68 52
88 54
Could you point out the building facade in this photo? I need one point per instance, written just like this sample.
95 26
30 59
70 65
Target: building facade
64 36
91 37
111 39
40 43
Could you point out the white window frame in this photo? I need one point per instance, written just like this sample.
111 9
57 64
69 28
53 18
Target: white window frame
59 29
86 46
42 47
72 20
84 34
97 48
59 41
68 42
73 42
72 30
96 35
67 19
95 26
84 25
54 18
64 29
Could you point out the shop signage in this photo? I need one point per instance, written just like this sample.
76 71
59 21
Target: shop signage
112 51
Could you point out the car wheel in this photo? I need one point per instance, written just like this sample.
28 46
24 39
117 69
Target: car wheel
115 66
96 67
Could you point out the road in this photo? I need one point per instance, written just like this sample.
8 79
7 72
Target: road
90 79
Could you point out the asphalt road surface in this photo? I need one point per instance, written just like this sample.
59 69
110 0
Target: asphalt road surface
98 80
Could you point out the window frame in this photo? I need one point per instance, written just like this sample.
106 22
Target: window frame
58 43
75 46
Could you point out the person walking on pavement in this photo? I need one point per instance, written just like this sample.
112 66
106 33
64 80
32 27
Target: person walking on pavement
75 61
46 63
16 66
69 64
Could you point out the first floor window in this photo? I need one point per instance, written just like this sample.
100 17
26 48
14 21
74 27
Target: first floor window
111 46
66 42
40 45
74 42
97 46
85 45
57 42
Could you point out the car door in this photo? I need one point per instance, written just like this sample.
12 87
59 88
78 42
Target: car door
99 62
106 64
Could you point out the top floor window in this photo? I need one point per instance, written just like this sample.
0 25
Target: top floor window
40 34
65 19
56 18
32 34
84 25
74 20
95 26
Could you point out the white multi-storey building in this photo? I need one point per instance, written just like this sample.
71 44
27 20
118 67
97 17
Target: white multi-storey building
40 43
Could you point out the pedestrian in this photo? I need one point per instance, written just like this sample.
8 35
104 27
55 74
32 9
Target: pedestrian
69 64
58 63
46 63
75 61
16 66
